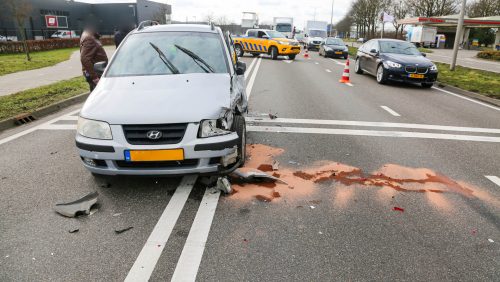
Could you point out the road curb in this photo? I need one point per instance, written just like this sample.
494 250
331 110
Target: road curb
469 94
44 111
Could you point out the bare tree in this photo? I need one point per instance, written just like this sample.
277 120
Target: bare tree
484 8
365 14
432 8
222 21
209 17
20 11
399 10
344 25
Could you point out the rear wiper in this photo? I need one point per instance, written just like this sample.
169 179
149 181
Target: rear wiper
166 61
204 65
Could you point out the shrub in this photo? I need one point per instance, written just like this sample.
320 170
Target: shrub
45 45
490 55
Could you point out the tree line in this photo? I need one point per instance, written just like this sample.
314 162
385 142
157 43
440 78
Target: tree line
365 14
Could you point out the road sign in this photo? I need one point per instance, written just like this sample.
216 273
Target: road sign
51 21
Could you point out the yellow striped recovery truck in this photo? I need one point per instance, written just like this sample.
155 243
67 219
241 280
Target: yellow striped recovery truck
265 41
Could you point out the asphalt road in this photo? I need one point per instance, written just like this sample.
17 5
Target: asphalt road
385 183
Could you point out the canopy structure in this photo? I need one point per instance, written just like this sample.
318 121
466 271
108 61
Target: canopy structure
449 23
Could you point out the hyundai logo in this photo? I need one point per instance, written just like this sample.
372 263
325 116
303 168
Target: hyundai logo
154 134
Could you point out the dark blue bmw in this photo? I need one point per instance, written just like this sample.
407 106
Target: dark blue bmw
391 59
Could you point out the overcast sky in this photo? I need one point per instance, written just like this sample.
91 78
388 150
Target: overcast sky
300 10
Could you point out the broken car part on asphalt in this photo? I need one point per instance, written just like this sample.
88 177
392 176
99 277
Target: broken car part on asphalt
80 206
256 176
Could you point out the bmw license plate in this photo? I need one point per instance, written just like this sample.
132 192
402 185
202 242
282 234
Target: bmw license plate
154 155
415 75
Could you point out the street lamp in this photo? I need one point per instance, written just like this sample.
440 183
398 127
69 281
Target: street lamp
458 34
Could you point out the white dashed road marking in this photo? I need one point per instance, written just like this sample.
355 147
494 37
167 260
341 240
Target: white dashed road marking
494 179
337 62
327 70
249 69
190 259
151 252
391 111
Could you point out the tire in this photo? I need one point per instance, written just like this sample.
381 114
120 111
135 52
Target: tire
239 127
239 50
274 53
292 57
427 84
381 74
357 67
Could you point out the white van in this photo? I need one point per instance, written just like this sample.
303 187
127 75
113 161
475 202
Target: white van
65 34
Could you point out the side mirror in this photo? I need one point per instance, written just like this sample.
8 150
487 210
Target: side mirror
423 54
241 67
99 67
373 52
346 45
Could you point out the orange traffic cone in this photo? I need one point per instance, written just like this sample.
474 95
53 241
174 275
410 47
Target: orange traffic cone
345 75
306 54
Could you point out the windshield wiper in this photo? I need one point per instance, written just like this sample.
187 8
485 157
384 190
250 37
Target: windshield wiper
199 61
166 61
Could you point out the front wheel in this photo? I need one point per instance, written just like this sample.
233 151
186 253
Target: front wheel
427 84
381 74
357 67
239 50
239 127
274 53
292 57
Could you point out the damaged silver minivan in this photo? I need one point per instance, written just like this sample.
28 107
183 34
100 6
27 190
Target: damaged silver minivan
171 101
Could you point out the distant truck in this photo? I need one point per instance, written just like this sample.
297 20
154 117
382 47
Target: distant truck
284 25
65 34
424 36
315 32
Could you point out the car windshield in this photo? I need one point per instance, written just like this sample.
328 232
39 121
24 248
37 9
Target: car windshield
275 34
284 27
334 41
299 36
398 47
317 33
169 53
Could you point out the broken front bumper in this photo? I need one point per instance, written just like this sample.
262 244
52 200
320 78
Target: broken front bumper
201 155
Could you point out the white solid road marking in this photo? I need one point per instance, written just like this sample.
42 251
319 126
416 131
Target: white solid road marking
356 132
494 179
348 84
59 127
146 261
252 79
288 61
327 70
466 98
68 118
372 124
34 128
316 63
190 259
337 62
249 70
391 111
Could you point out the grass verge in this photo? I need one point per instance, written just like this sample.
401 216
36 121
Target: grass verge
425 50
10 63
352 51
478 81
32 99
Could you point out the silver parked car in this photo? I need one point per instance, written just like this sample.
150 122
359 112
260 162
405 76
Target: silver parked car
171 101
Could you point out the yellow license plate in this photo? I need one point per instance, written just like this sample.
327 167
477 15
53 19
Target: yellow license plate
416 75
154 155
338 53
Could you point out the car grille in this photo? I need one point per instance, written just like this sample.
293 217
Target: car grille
410 69
158 165
316 42
171 133
295 48
422 70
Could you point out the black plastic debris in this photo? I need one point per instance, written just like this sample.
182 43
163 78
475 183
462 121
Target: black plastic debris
106 185
208 180
273 116
80 206
120 231
256 176
73 230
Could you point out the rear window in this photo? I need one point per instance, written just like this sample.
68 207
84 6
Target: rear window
142 54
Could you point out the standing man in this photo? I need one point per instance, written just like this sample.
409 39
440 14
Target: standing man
91 52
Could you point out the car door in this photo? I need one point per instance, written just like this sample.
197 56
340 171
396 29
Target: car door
238 85
263 43
372 58
363 55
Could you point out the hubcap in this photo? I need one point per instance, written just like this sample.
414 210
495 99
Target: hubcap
357 65
238 50
380 73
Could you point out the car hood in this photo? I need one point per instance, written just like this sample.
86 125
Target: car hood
157 99
406 59
336 47
315 39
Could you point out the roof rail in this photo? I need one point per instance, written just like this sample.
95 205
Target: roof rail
144 24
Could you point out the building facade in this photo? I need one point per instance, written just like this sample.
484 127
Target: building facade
48 16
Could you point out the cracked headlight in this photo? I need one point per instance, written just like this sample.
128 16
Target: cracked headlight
392 64
433 68
94 129
212 127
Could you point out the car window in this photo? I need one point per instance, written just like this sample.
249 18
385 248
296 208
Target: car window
261 34
398 47
334 41
252 33
138 56
275 34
